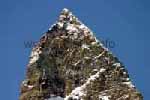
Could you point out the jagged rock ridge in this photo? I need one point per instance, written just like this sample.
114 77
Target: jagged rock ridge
69 63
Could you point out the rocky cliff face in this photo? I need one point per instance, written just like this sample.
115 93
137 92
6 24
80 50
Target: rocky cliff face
69 63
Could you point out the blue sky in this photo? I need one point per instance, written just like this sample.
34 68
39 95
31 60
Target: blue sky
126 22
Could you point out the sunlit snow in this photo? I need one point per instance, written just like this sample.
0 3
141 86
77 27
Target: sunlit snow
79 91
55 98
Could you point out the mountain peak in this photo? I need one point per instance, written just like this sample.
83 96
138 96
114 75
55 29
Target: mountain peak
69 63
70 23
65 10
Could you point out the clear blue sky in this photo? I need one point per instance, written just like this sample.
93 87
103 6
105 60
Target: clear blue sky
127 22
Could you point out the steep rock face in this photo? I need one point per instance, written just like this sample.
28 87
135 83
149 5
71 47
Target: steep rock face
69 63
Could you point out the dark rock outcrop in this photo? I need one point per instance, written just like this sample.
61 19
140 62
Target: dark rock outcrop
69 63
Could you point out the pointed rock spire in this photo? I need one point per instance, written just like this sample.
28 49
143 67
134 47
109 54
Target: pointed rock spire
69 63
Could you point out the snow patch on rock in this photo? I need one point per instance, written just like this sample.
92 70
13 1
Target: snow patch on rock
117 64
129 84
85 46
78 92
71 28
55 98
104 97
34 55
